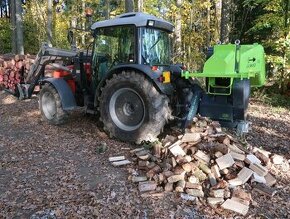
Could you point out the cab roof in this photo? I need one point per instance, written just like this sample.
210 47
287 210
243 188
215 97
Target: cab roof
135 18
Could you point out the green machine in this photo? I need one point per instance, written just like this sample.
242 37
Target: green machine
230 71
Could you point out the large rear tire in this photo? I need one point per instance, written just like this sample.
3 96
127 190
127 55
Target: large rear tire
50 106
132 109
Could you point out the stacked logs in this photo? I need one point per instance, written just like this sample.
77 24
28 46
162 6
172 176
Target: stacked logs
13 70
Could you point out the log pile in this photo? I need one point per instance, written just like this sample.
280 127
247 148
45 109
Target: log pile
13 70
204 164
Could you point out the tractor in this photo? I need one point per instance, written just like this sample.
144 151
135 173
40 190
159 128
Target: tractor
128 81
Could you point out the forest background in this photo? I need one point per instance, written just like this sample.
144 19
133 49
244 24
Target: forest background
199 24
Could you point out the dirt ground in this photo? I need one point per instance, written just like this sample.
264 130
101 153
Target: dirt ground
58 172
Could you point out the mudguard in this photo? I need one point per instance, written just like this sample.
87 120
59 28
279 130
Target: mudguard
67 98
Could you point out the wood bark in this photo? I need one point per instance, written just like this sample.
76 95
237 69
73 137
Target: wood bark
225 21
19 27
129 6
49 22
177 31
13 24
140 5
13 70
106 10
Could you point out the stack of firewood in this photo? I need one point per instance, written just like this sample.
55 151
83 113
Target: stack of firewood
13 70
204 163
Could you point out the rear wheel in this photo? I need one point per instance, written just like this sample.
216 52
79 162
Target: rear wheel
132 109
50 105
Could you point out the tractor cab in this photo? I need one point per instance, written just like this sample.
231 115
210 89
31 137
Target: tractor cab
129 40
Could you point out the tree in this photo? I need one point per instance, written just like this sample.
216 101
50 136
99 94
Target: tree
13 24
49 22
129 6
267 22
140 5
18 31
177 31
225 21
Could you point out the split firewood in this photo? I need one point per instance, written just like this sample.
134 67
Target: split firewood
152 172
250 158
181 159
225 161
152 195
217 193
118 158
200 155
138 178
215 170
214 201
204 168
180 186
192 179
175 178
121 163
167 173
236 206
264 190
168 187
265 160
277 159
157 149
179 170
270 180
212 179
176 150
187 197
187 167
242 194
147 186
193 185
191 137
200 175
195 192
237 156
259 169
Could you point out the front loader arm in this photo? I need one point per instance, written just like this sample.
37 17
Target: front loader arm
45 56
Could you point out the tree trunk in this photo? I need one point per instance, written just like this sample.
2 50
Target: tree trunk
283 75
13 24
177 31
225 21
49 22
140 5
129 6
19 27
107 9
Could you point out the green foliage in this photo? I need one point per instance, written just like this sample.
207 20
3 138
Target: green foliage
267 22
5 36
270 97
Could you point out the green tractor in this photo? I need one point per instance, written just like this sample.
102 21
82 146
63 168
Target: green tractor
128 80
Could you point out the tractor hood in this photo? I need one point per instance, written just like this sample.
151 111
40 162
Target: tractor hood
138 19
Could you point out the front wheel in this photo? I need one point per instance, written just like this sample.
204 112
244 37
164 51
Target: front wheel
50 105
132 109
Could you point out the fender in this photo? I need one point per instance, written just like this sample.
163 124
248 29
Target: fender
145 69
67 98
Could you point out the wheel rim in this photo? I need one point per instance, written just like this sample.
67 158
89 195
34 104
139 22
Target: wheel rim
127 109
48 105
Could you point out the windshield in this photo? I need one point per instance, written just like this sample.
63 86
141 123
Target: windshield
155 47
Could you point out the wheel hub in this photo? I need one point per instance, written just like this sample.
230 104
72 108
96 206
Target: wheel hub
48 105
127 109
